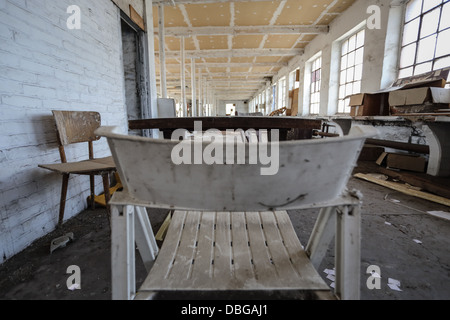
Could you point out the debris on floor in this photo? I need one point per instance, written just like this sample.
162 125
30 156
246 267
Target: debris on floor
61 242
394 284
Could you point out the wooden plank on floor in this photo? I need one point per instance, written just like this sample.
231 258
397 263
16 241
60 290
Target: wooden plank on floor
403 189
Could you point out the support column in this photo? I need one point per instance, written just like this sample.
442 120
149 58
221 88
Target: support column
194 88
162 51
392 48
200 94
152 110
183 77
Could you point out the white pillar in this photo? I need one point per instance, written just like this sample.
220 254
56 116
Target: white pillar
194 88
162 51
183 78
392 48
200 94
153 98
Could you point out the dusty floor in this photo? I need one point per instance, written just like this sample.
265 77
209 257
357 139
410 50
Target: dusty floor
391 222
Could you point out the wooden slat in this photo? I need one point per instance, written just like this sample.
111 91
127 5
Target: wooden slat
232 251
241 249
308 274
285 271
203 265
264 269
223 267
182 266
163 263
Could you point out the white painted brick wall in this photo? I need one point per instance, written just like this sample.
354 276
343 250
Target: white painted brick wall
45 66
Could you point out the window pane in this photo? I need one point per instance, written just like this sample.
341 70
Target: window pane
411 31
341 106
445 20
343 76
344 62
359 59
430 23
345 47
430 4
352 43
413 9
404 73
423 68
342 92
408 56
360 39
350 74
349 89
425 51
442 63
443 44
351 59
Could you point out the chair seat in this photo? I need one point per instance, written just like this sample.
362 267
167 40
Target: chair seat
239 251
82 167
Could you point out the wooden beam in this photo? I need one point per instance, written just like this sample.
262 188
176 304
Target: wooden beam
134 15
236 64
237 53
246 30
403 189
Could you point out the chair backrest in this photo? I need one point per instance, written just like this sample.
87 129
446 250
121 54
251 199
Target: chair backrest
309 172
76 127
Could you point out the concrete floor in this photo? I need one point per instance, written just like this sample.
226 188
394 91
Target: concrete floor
391 222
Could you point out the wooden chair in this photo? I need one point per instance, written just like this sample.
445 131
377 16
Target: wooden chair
77 127
230 231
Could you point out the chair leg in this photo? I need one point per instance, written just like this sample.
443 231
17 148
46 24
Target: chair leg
123 253
105 178
145 238
322 236
348 252
62 203
92 199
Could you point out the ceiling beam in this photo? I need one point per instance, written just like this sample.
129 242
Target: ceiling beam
237 53
244 30
234 65
200 1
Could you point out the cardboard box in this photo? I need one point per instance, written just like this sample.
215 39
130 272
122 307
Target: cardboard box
407 162
377 103
419 100
294 102
369 104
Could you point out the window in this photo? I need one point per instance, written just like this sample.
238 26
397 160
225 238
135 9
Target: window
316 81
426 34
352 58
282 93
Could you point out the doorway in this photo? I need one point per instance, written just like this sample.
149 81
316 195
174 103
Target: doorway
134 71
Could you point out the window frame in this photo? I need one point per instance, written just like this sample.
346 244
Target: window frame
316 84
343 107
402 73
